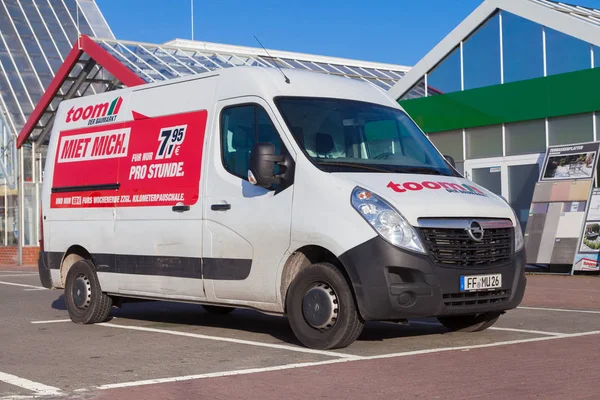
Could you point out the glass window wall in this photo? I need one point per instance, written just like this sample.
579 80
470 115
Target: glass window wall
565 53
485 141
525 137
522 47
445 78
481 56
570 129
449 143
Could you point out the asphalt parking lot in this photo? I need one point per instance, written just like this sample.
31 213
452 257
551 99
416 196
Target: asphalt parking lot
547 348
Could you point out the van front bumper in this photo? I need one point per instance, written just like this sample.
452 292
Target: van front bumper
393 284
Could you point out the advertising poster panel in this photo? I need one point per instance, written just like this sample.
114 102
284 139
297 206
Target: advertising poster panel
570 162
118 166
588 250
559 206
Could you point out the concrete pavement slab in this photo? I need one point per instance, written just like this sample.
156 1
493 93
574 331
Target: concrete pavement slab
556 369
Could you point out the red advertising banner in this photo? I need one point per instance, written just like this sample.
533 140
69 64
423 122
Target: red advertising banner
144 162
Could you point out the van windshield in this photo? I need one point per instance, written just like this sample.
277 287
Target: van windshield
353 136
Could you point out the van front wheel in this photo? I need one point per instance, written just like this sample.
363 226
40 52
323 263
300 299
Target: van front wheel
321 308
83 296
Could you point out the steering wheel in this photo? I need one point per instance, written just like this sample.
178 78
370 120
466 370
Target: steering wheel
384 156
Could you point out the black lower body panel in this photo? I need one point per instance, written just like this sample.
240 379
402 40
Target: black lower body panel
393 284
44 271
172 266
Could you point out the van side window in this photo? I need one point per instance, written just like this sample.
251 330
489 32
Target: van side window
241 128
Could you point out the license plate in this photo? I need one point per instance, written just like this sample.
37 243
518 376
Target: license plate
471 283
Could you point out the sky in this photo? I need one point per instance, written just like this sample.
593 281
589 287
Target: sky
397 32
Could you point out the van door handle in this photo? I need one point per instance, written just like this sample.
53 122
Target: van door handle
220 207
180 207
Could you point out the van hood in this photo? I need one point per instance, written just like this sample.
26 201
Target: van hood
417 196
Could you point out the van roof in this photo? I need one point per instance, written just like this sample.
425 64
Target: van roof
270 82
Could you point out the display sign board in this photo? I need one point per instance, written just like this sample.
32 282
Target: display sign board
559 205
588 250
570 162
143 162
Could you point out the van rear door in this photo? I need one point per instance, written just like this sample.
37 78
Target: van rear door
158 227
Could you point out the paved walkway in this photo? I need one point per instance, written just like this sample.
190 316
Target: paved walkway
546 349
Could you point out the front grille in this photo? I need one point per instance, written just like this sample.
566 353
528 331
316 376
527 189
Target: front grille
476 298
455 248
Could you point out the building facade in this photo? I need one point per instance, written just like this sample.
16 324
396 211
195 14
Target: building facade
53 50
35 38
514 77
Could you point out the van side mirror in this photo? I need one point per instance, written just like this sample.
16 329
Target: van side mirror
261 169
450 161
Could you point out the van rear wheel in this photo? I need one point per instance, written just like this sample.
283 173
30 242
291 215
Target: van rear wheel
321 308
85 301
470 323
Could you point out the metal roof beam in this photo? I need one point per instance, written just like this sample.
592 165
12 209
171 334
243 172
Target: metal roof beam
81 78
46 130
90 80
113 85
96 54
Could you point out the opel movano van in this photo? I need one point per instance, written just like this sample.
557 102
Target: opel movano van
310 196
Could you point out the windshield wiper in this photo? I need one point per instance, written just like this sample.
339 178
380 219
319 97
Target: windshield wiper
352 165
420 170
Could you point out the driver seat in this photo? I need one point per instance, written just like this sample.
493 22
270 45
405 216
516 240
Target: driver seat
323 144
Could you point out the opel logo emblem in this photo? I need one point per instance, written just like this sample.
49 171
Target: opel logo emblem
475 231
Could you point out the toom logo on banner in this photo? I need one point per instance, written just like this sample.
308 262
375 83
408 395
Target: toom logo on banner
449 187
94 146
96 113
588 264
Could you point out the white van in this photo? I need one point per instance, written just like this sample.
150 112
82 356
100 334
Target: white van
310 196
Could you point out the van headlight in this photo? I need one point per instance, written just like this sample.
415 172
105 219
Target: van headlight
386 221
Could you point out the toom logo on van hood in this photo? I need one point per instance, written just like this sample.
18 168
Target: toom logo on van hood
429 185
96 113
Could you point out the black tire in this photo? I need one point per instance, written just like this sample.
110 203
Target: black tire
347 326
470 323
217 310
83 296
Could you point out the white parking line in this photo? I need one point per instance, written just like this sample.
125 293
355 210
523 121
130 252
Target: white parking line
335 361
207 337
15 275
51 321
38 388
481 346
535 332
220 374
560 310
232 340
22 285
